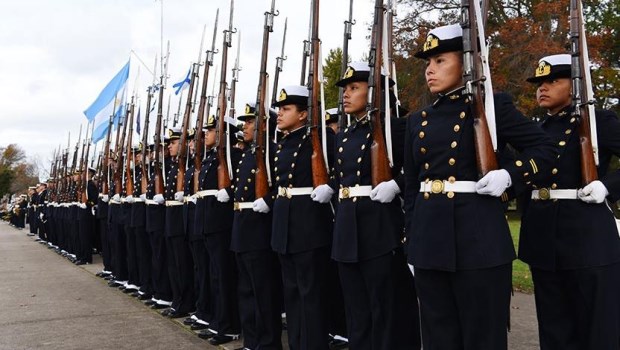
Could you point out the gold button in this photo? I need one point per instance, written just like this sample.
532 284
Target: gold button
290 176
245 188
450 194
462 115
426 166
424 123
354 199
345 139
249 179
423 150
452 161
277 178
526 174
554 171
451 179
426 195
275 169
519 163
279 147
358 173
253 171
421 134
467 100
453 144
572 120
554 186
562 143
340 150
339 161
359 160
276 159
295 154
427 180
423 113
568 131
292 165
341 174
457 128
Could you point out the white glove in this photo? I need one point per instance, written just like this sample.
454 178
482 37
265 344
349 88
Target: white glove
192 198
322 194
129 199
159 199
594 192
93 211
82 205
385 192
260 206
41 216
105 198
116 197
178 196
222 196
143 197
494 183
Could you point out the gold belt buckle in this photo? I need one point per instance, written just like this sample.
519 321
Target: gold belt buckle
346 192
437 186
283 192
236 206
544 194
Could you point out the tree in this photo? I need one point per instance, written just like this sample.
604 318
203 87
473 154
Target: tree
16 173
519 33
331 74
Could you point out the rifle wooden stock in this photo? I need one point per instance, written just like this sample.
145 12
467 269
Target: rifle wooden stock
182 151
380 165
144 180
319 168
157 171
118 167
486 160
261 183
223 175
581 111
130 155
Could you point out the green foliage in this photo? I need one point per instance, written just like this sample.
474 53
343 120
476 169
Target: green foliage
16 174
332 73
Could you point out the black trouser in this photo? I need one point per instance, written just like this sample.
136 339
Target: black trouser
119 252
159 266
86 228
106 255
304 277
131 255
202 283
578 309
223 283
337 324
260 299
144 256
181 273
466 309
380 303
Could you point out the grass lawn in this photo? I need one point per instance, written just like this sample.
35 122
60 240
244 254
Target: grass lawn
521 276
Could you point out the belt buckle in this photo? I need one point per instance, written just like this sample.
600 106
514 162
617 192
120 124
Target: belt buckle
346 192
283 192
236 206
437 186
544 194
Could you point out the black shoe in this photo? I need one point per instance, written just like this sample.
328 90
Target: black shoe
150 302
80 262
157 306
115 284
135 294
145 297
189 321
167 312
108 277
129 290
335 344
219 339
206 334
196 326
177 314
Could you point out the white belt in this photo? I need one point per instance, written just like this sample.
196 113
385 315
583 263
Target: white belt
545 193
137 200
288 192
443 186
355 191
243 205
206 193
188 199
173 203
114 202
150 202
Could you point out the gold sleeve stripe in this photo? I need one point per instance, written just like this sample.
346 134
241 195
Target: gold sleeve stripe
534 166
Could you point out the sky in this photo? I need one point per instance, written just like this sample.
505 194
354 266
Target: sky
57 55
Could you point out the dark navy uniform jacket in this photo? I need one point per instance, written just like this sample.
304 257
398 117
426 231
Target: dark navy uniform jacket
174 214
567 234
213 216
460 231
155 214
189 207
138 209
365 229
299 223
251 231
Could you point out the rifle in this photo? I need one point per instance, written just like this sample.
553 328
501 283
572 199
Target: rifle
103 170
118 167
306 50
75 152
144 180
84 180
231 96
130 155
223 174
583 102
199 135
279 64
261 185
477 81
380 170
348 24
81 169
182 152
157 166
319 168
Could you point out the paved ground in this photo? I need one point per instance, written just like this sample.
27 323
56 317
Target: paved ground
48 303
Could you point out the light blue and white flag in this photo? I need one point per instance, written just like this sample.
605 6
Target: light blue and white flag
183 84
110 100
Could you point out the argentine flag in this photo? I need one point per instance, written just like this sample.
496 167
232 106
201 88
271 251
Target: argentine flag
110 100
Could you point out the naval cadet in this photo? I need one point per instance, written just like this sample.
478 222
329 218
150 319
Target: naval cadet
458 237
569 235
368 231
87 220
